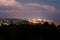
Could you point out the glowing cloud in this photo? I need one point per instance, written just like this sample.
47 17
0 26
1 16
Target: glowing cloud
27 9
12 3
27 6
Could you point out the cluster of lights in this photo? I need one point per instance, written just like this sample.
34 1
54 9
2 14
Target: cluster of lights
4 22
34 21
41 20
38 20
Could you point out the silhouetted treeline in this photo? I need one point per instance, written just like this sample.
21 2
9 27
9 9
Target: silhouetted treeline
30 31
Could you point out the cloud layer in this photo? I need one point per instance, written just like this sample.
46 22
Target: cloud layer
27 10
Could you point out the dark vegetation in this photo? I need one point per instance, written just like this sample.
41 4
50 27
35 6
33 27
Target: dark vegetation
30 31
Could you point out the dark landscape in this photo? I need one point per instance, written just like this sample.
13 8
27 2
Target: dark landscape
25 30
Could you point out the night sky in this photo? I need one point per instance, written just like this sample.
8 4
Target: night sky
25 9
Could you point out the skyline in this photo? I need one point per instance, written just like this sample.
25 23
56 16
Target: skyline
24 9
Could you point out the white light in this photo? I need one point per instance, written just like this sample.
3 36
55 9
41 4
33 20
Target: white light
34 19
44 20
39 19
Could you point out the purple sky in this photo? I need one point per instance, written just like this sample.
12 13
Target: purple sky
44 9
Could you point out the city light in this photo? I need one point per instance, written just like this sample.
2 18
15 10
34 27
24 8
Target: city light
35 22
39 19
45 20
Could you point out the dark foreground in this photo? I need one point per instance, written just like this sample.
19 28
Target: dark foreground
30 32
